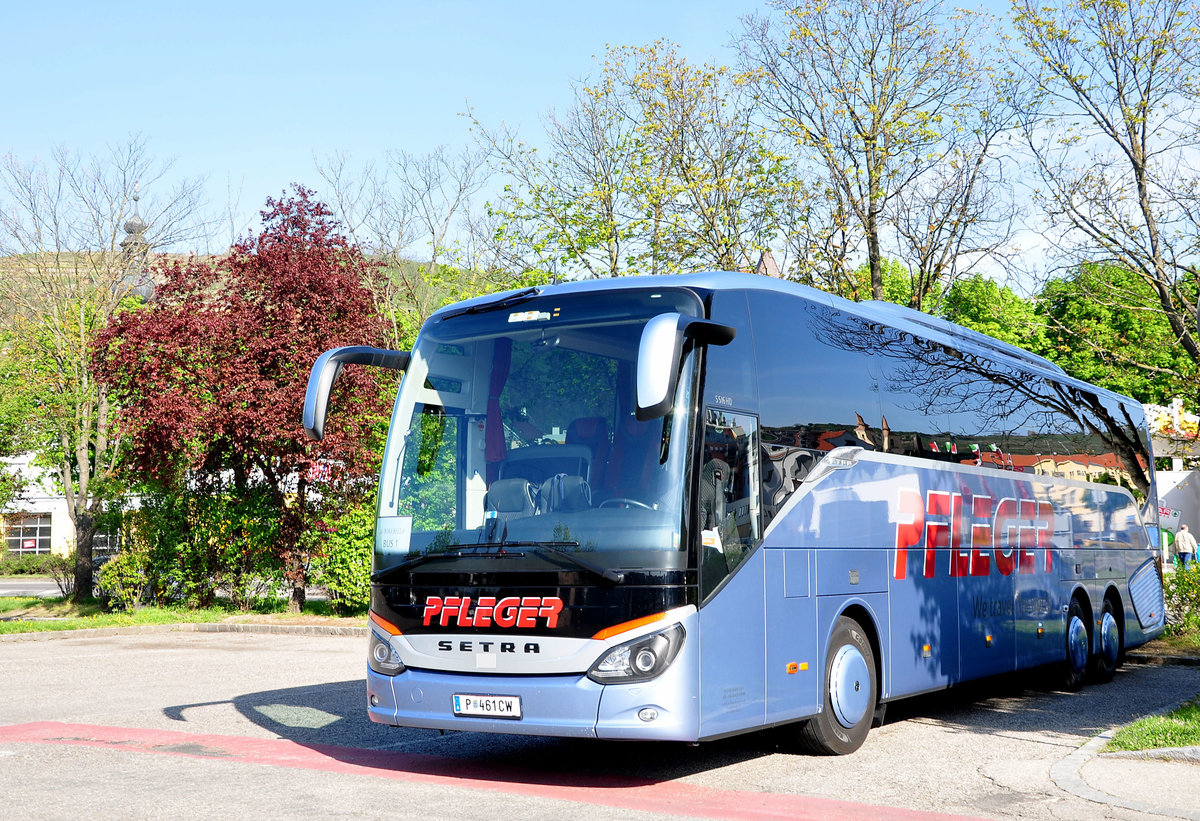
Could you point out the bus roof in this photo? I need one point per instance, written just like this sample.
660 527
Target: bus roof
920 325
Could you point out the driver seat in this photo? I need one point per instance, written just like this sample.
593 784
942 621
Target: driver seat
634 460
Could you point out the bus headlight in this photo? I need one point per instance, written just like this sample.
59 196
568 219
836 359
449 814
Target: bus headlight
382 657
640 659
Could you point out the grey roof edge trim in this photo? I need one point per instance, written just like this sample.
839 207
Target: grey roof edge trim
924 326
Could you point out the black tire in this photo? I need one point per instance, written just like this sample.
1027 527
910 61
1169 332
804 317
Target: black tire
1077 648
1112 644
842 726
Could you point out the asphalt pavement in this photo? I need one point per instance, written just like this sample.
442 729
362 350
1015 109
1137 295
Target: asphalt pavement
187 712
39 586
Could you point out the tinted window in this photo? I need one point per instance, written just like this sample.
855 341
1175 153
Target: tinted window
817 389
729 373
959 406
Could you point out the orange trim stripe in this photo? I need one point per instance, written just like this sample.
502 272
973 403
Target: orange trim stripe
384 623
625 627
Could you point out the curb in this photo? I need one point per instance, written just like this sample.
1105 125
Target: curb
1066 772
1161 659
210 627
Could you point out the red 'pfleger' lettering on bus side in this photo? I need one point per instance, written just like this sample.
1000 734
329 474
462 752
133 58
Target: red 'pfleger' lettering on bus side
910 526
968 532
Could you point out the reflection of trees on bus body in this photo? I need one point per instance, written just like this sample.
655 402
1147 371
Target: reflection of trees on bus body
932 392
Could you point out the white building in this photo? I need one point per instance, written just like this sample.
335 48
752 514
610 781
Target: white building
37 521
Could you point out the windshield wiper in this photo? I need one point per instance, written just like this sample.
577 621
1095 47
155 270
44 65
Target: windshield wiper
552 548
500 550
508 301
454 551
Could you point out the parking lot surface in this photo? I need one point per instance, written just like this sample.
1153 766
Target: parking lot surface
207 725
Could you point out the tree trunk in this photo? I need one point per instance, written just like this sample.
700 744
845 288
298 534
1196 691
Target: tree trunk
299 594
85 532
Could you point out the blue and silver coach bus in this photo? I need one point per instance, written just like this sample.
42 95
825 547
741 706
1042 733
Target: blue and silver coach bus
691 506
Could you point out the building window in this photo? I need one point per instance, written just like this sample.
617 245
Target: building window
27 533
106 543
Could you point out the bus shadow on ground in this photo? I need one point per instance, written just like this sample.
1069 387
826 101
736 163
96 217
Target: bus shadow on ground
1033 701
331 719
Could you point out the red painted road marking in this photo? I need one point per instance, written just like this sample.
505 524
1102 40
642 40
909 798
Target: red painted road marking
667 797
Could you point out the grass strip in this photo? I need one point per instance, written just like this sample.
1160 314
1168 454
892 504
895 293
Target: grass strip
29 615
1179 728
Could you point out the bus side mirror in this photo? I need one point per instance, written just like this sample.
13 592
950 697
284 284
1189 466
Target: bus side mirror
658 357
325 372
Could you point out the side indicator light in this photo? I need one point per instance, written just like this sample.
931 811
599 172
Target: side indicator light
987 640
793 668
926 651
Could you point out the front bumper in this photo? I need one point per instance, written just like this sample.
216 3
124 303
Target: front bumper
570 705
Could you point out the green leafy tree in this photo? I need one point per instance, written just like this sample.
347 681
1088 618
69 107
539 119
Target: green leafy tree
1103 325
983 305
1113 130
65 272
708 185
897 284
658 167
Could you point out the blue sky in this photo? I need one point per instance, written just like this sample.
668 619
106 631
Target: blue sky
245 94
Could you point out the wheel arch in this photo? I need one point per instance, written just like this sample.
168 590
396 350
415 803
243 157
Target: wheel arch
1112 594
1085 601
866 620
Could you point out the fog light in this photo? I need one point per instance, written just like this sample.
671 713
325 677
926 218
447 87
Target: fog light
374 699
647 714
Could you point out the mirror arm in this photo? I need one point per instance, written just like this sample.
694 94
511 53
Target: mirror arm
328 368
708 332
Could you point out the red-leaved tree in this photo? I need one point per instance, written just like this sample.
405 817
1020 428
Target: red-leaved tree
211 375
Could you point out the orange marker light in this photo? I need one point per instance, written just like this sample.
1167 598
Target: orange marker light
384 623
793 668
626 626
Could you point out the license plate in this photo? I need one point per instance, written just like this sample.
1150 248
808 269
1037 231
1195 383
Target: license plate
487 706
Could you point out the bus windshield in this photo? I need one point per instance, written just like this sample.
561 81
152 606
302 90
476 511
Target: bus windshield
514 433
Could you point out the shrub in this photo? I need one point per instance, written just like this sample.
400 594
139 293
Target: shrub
62 569
1182 592
28 564
123 579
343 563
196 543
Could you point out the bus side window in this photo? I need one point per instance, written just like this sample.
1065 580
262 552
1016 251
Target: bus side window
817 389
729 506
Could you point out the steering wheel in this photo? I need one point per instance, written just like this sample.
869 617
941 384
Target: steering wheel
624 501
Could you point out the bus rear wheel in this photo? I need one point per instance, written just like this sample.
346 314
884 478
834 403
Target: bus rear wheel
1078 647
1104 663
850 693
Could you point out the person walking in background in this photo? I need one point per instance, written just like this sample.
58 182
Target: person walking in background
1185 546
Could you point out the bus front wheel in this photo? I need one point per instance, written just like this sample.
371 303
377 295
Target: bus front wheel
850 693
